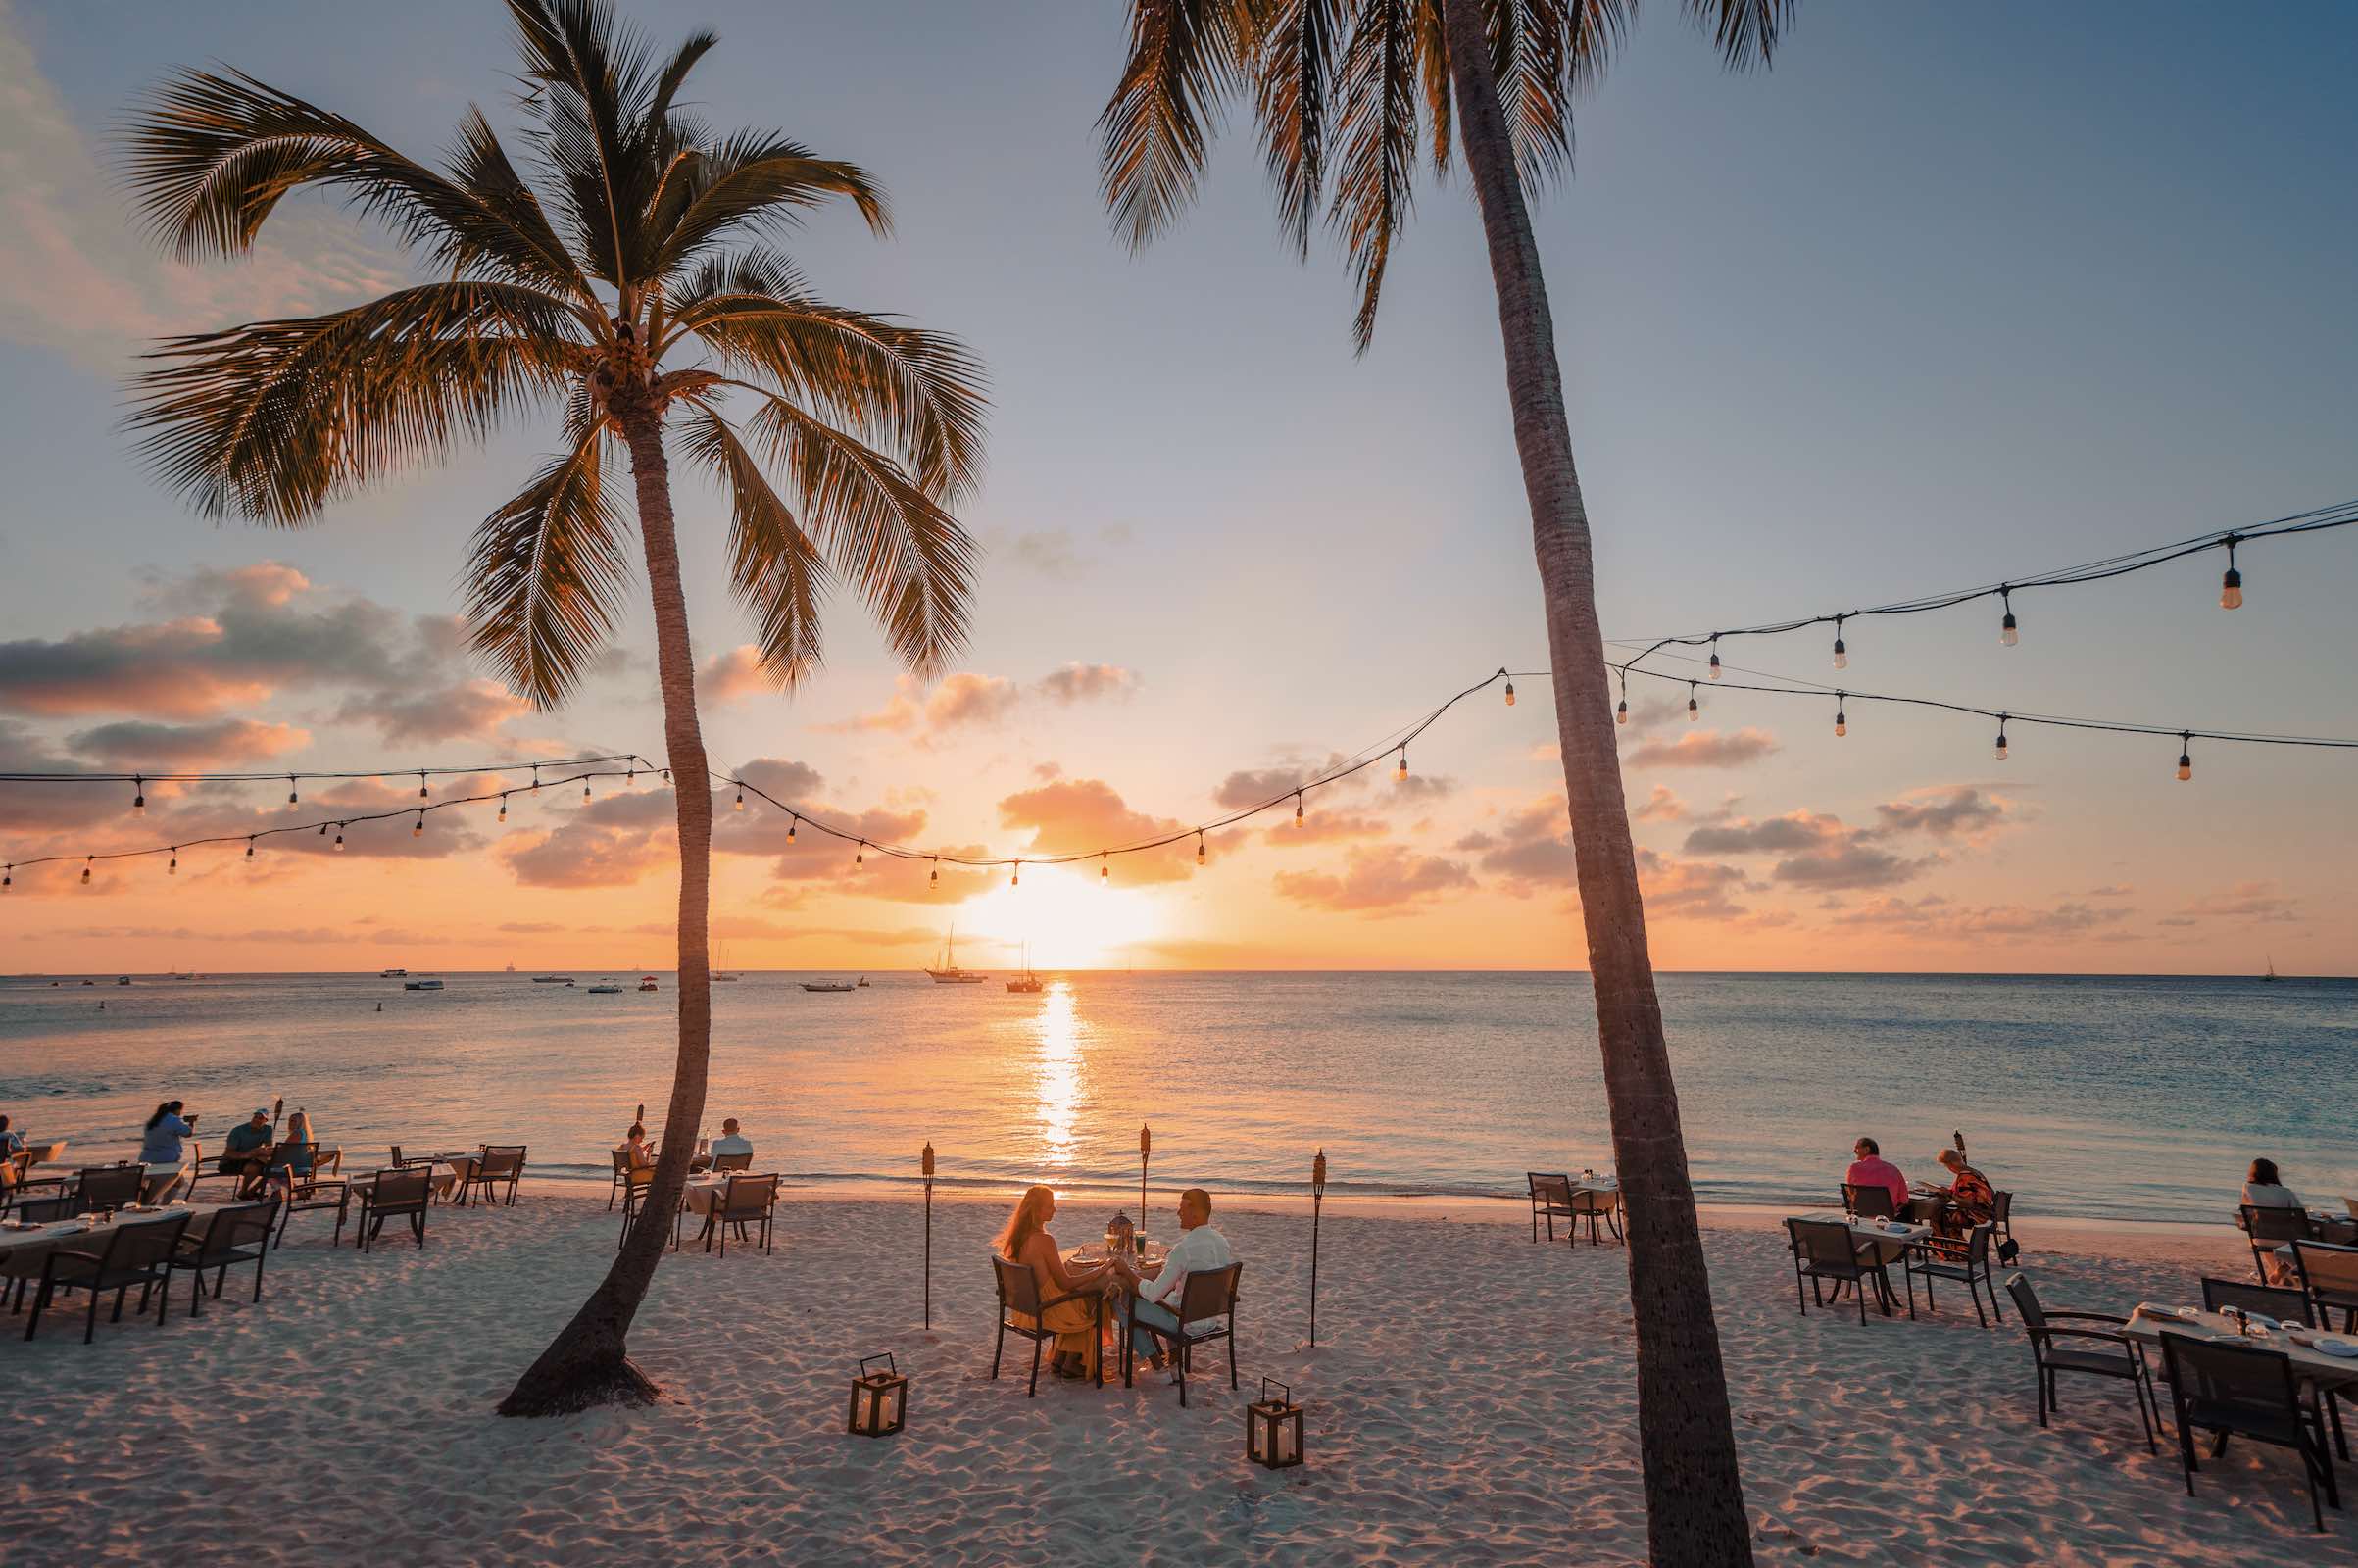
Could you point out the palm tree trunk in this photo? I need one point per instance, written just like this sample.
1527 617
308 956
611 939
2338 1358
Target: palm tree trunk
589 1363
1694 1495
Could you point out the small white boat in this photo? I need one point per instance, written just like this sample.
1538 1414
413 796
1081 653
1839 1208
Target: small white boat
829 985
605 988
392 975
421 985
647 982
122 979
722 972
864 984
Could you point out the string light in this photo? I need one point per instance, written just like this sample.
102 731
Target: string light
1015 875
2185 755
138 796
8 878
421 786
789 828
339 838
585 788
1105 871
1401 775
503 806
536 778
1694 710
323 830
1714 657
1298 806
740 796
173 869
1842 721
418 829
2008 633
1841 655
85 870
2230 586
2001 737
1510 694
1199 848
290 789
249 849
935 880
859 856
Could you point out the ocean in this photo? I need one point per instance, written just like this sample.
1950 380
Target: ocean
2102 1096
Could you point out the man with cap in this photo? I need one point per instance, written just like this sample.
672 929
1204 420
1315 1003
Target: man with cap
246 1151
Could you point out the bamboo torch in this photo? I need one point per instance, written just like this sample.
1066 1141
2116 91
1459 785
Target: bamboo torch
1146 1147
925 1163
276 1105
1317 1199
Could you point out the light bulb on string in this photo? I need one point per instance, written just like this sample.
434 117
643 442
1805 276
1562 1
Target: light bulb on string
1714 664
1621 712
85 870
2185 755
1694 710
2230 586
8 878
1510 694
1842 721
1016 876
323 830
421 784
585 788
290 789
1199 848
138 797
418 829
667 775
740 796
173 869
789 828
1298 806
503 806
249 849
536 778
934 882
2007 633
1400 774
1104 869
340 837
1841 654
2001 737
859 856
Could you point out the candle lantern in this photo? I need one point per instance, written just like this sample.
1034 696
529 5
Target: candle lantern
1273 1428
879 1399
1119 1235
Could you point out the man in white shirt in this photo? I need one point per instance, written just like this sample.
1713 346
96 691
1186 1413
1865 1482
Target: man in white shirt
1198 1249
730 1142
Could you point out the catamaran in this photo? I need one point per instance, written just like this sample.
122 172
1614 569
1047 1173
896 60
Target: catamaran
950 974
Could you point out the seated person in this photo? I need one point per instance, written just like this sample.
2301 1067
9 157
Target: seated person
1972 1201
730 1142
1025 1239
2264 1187
1868 1168
159 1151
291 1161
1198 1249
246 1151
12 1155
634 1142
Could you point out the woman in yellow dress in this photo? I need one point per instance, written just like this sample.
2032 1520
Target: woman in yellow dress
1026 1241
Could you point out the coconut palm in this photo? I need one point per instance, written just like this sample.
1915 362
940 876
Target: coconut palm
621 278
1349 98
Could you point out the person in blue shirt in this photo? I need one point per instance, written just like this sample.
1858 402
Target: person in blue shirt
246 1152
161 1146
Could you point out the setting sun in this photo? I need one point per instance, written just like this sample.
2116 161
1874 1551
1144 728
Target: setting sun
1070 920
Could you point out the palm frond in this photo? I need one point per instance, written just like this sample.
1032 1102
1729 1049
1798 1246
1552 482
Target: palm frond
272 419
218 151
1747 32
1430 26
1378 127
751 181
1295 109
1185 57
909 560
483 170
918 393
592 85
777 572
547 573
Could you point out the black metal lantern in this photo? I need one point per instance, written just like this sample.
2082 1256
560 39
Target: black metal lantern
1273 1428
1120 1235
879 1399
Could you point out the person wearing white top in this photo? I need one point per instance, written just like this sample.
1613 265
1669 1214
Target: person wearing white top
2264 1187
1198 1249
731 1142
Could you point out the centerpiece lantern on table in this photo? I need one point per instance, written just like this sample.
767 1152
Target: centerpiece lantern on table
1121 1237
1273 1428
879 1398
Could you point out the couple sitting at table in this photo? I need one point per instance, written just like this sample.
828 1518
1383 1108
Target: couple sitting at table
640 1153
1971 1199
1026 1241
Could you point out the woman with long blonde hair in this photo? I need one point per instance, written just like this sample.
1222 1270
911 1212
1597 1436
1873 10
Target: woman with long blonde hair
1025 1239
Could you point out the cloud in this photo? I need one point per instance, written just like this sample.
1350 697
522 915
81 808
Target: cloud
1936 919
610 842
1077 816
1324 827
1706 748
465 710
1949 812
1696 890
1050 552
966 698
2255 901
1383 881
1660 806
130 745
1252 786
736 673
1819 850
900 712
1075 682
1795 830
2111 890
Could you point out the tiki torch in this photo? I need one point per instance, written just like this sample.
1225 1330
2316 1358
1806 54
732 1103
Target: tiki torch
925 1163
276 1105
1146 1147
1318 1197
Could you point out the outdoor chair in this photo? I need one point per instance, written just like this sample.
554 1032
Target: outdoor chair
240 1234
744 1201
1019 1297
138 1255
1599 1208
2330 1274
637 1195
391 1195
18 1270
728 1162
625 1173
2268 1229
1207 1299
2125 1360
2002 1215
1968 1265
305 1193
2244 1391
1871 1201
1825 1249
99 1187
2282 1302
1551 1197
499 1163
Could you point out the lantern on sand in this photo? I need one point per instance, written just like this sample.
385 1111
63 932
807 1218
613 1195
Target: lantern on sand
879 1399
1273 1428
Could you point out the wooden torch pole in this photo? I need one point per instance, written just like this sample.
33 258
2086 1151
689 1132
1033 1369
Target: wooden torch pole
927 1163
1317 1199
1146 1147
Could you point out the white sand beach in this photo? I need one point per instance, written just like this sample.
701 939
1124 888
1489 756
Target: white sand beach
1470 1401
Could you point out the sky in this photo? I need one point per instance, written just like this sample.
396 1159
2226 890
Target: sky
1951 294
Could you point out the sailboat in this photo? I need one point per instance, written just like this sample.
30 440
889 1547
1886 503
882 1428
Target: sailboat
2271 974
722 972
1029 982
950 974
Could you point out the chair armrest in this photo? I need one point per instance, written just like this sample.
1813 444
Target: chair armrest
2094 1317
2092 1334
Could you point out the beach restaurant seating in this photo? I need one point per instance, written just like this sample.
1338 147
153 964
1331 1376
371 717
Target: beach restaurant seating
314 1190
238 1234
1825 1249
2002 1215
722 1163
120 1257
637 1196
2127 1362
2279 1301
1871 1201
1206 1311
1968 1265
744 1201
626 1176
2330 1274
1019 1299
2268 1229
1551 1198
2245 1391
99 1187
391 1195
499 1163
1599 1206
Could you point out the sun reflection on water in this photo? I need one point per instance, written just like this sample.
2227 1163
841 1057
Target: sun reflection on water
1057 1073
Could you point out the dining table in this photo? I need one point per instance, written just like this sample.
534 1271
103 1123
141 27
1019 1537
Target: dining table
1146 1259
1878 1242
22 1247
2323 1368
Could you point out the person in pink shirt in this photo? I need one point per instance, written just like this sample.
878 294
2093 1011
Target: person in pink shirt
1871 1169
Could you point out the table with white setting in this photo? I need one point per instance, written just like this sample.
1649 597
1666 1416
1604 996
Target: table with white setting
1878 1242
1147 1257
23 1246
2327 1370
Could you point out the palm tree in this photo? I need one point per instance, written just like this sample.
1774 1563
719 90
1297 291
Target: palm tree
1342 95
622 279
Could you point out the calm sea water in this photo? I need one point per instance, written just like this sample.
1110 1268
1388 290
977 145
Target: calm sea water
2102 1096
